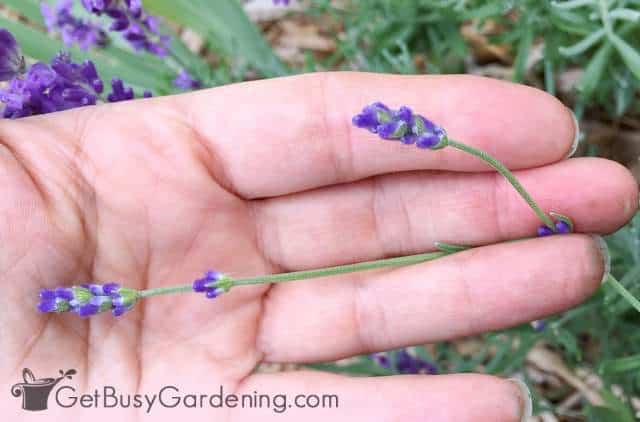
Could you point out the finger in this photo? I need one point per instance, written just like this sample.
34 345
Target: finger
286 135
475 291
407 213
464 397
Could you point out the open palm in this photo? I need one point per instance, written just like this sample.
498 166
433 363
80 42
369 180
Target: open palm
268 177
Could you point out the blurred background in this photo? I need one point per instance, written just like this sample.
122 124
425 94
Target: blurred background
583 365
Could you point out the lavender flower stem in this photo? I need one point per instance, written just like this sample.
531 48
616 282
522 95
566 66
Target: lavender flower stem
504 171
303 275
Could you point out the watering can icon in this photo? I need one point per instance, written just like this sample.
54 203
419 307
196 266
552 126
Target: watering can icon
35 392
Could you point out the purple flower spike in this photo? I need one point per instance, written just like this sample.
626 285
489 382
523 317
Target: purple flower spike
402 124
11 60
72 29
88 299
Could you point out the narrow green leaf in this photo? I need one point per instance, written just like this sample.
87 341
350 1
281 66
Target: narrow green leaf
572 4
626 364
629 54
583 45
593 71
520 63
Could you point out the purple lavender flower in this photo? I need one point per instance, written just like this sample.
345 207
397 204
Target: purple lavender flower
562 225
72 29
96 6
408 364
123 300
185 81
544 231
404 363
381 359
212 284
283 2
539 325
141 30
11 60
402 125
47 88
119 91
88 299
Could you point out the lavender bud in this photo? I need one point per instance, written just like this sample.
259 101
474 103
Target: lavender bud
200 285
381 359
562 225
87 310
47 294
110 288
53 305
393 130
372 116
214 293
544 231
124 297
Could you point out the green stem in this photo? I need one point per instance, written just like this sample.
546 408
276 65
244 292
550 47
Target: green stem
500 168
623 292
303 275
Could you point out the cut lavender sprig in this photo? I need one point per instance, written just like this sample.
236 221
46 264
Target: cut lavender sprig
410 128
88 299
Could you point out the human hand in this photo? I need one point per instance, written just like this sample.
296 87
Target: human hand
268 177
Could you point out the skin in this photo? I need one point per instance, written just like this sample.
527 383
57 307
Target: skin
267 177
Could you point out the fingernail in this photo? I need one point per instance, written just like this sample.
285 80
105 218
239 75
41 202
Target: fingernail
526 403
606 256
576 138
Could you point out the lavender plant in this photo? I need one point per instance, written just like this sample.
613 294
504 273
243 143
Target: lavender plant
57 86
